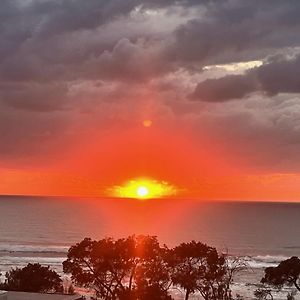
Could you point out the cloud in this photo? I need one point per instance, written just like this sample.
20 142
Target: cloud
68 67
279 76
275 77
224 89
35 97
236 30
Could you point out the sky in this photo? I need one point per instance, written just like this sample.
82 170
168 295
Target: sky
217 82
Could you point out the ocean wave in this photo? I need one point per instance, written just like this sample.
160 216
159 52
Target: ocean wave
33 248
12 260
263 261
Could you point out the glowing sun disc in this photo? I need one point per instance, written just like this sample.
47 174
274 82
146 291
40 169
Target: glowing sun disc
143 189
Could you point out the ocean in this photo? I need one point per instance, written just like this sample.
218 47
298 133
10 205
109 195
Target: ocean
41 229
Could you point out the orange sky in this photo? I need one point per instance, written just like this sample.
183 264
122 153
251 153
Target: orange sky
95 163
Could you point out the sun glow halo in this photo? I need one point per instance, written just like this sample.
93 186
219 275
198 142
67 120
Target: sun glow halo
143 189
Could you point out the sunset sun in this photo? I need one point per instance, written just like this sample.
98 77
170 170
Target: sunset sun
143 189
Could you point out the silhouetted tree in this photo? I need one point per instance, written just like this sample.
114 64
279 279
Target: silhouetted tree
32 278
263 293
138 268
198 267
120 269
286 273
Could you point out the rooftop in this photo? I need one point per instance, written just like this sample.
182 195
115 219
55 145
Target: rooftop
36 296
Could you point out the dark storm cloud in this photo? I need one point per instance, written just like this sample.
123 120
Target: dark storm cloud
237 30
224 89
44 40
71 15
21 20
275 77
280 76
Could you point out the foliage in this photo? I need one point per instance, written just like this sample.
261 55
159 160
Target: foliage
286 273
138 268
119 269
198 267
32 278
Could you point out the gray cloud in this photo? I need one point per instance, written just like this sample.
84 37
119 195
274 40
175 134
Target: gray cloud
275 77
237 30
224 89
34 97
280 76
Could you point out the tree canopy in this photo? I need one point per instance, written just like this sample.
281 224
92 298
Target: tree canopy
32 278
119 269
198 267
286 273
138 267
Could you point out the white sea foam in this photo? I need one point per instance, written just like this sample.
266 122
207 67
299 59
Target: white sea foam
18 255
15 261
264 261
33 248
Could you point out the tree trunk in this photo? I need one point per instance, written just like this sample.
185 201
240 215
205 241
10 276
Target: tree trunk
296 285
187 294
